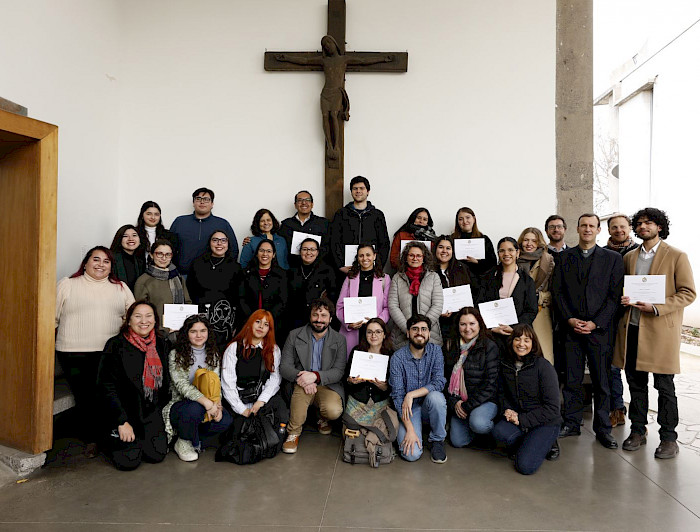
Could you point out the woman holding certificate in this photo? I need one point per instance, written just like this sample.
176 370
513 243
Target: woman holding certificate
419 226
529 396
539 264
162 283
505 281
415 289
466 228
365 279
471 370
365 398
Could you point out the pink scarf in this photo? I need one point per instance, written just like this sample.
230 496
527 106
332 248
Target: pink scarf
413 275
152 367
457 386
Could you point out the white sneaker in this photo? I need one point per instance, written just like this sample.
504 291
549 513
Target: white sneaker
185 450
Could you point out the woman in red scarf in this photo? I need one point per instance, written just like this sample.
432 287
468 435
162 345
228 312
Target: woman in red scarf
133 387
415 289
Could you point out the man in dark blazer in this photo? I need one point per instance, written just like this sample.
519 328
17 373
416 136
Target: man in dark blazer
586 290
313 361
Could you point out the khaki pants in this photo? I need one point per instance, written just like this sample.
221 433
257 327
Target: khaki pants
328 402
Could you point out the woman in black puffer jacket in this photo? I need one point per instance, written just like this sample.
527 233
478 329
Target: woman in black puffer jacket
471 370
528 393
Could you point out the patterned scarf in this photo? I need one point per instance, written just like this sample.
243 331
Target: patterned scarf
173 277
414 275
620 247
457 386
152 377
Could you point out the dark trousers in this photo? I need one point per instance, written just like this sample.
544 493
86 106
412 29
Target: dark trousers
187 418
596 349
150 445
638 382
80 370
616 390
530 447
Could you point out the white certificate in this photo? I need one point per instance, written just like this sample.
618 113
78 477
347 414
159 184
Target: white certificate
501 311
404 242
369 366
456 298
175 315
470 247
359 308
645 288
298 238
350 253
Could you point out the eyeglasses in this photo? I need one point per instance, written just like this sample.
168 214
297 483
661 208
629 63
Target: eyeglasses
265 251
163 255
305 200
416 329
552 227
202 199
375 333
414 256
219 240
309 250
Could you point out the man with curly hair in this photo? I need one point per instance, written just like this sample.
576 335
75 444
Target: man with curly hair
649 336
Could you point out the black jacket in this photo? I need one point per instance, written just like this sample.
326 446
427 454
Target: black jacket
315 225
480 374
458 275
365 391
120 388
120 268
524 295
532 391
351 227
320 279
594 297
274 295
208 284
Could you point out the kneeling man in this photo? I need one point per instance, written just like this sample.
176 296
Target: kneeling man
417 379
313 359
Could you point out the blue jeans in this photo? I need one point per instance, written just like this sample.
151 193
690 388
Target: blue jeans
530 447
480 421
187 418
433 409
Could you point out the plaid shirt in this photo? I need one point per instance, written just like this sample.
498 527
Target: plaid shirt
407 373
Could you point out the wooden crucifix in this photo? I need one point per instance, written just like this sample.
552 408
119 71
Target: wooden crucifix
334 62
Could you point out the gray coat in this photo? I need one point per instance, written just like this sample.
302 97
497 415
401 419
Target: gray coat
297 352
429 304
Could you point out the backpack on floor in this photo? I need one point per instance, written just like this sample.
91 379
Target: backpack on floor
370 444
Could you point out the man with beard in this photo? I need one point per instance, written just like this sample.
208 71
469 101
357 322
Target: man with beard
649 336
555 227
416 376
313 361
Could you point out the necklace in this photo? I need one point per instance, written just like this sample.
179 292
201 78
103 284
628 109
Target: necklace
213 266
306 275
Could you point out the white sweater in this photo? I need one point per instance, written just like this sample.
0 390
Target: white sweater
89 312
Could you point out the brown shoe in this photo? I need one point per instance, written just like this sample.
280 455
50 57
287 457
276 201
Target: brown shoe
617 417
291 444
90 450
634 441
323 426
667 449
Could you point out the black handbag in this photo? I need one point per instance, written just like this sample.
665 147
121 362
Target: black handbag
257 439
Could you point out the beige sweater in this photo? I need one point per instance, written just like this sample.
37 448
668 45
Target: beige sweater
89 312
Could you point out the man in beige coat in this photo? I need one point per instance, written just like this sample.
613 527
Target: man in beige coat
649 335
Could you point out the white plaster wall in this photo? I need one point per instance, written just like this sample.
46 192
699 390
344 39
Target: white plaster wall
471 123
58 59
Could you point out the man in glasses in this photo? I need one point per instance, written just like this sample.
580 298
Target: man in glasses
193 230
555 227
417 378
304 221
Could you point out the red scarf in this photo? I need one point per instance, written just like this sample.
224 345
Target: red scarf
152 366
414 275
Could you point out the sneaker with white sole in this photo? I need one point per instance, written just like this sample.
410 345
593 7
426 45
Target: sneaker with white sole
437 452
291 444
323 426
185 450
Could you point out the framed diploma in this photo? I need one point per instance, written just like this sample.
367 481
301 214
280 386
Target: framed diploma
456 298
298 238
175 315
369 366
500 311
359 308
470 247
645 288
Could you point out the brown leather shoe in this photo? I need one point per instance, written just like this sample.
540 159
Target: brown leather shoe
291 444
634 441
667 449
617 417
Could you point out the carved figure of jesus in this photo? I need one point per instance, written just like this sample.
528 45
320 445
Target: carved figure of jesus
335 104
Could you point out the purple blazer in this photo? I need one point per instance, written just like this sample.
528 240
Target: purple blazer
350 289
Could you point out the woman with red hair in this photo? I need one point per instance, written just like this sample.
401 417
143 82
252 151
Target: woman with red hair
250 378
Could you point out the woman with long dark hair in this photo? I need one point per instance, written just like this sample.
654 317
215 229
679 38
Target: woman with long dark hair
90 307
265 227
366 278
466 227
471 371
415 289
128 250
419 226
213 284
191 415
150 228
133 386
529 399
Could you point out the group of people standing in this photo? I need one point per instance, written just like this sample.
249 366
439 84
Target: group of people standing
147 384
